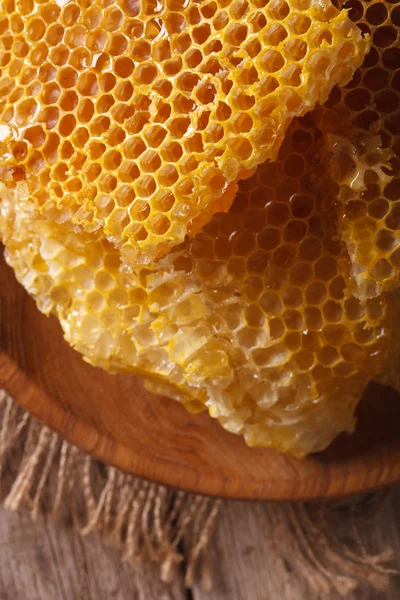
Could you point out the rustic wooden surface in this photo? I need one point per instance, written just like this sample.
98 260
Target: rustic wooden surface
116 420
48 561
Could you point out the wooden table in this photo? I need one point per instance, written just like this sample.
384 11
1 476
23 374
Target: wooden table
48 561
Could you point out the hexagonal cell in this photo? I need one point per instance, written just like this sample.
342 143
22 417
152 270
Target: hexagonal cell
180 102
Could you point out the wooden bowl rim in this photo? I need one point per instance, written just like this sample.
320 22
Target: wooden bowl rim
79 433
195 454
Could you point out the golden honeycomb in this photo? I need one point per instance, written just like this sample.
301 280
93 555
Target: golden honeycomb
362 128
136 119
252 319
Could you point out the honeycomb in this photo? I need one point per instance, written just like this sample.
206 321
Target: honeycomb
362 134
252 319
135 120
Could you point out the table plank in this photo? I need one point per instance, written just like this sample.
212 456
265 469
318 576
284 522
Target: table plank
251 555
49 561
255 559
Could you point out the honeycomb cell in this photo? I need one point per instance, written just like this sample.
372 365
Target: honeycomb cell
252 319
362 141
223 79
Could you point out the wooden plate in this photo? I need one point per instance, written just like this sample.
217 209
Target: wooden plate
118 422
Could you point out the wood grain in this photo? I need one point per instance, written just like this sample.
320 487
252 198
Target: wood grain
116 420
49 561
254 563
